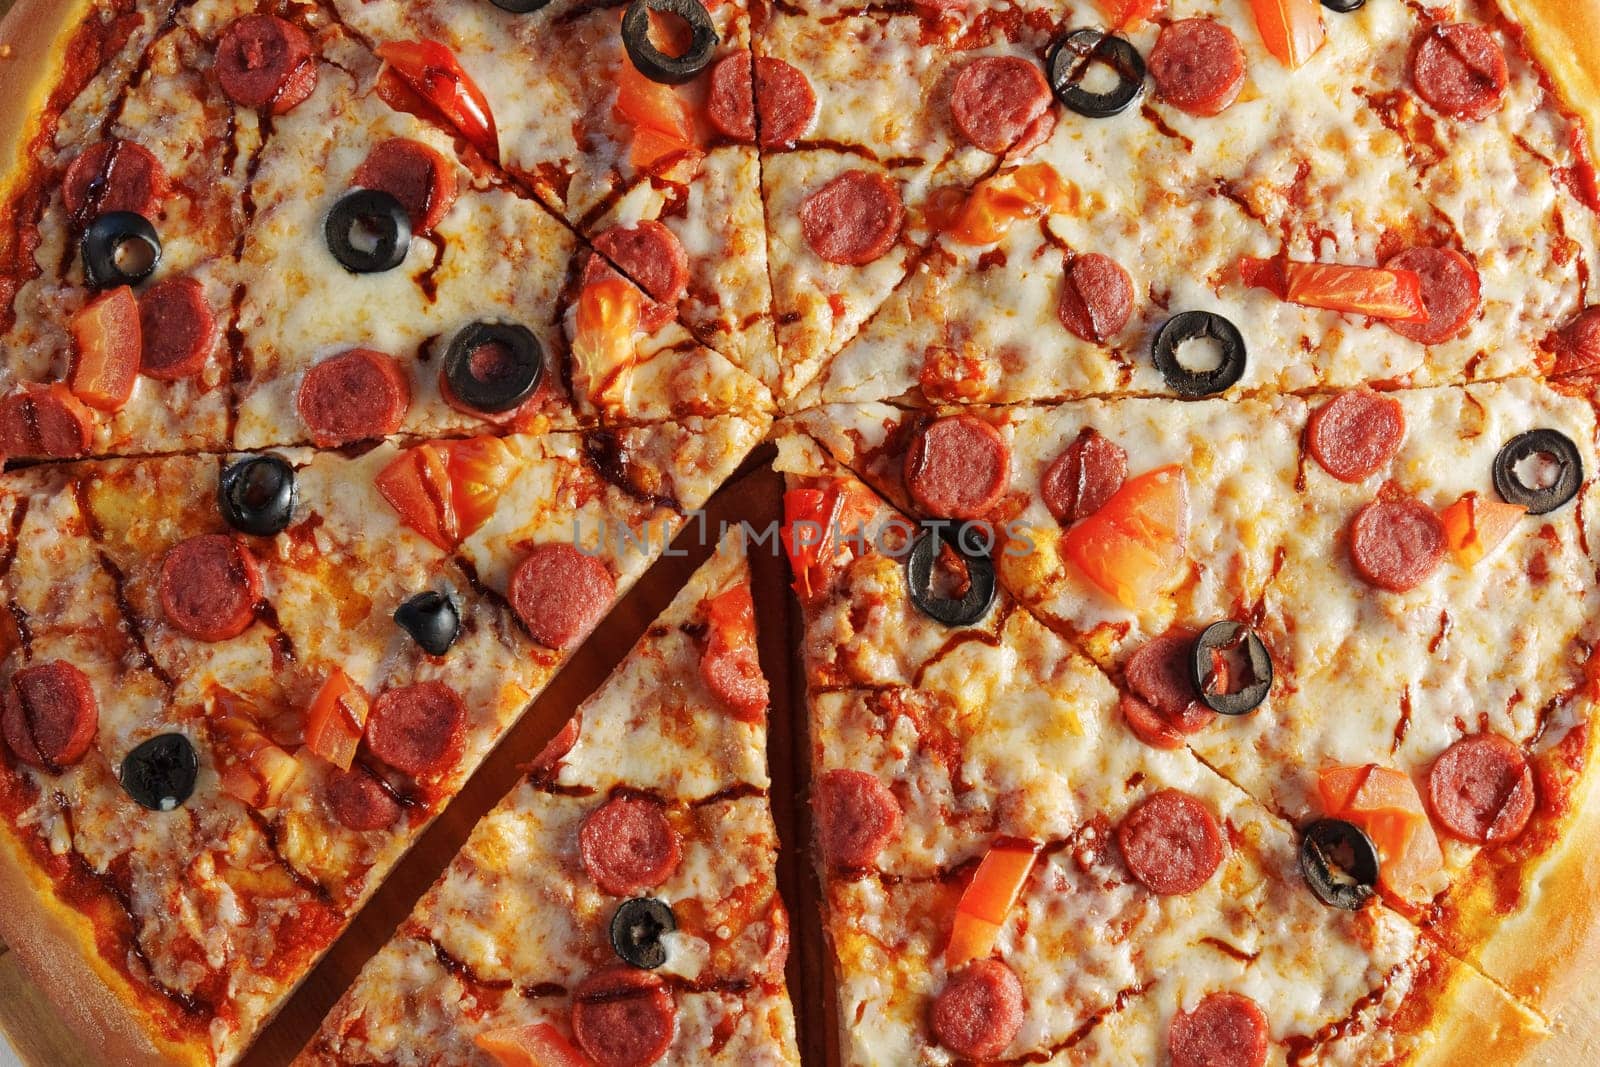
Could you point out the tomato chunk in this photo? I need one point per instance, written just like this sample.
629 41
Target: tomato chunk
1474 526
1291 29
1385 803
107 346
988 898
417 485
1135 547
984 216
603 341
253 769
808 520
1127 14
434 73
337 720
661 121
1379 292
478 474
539 1045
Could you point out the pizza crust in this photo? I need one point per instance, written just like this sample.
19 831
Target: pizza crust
1479 1024
1564 36
36 33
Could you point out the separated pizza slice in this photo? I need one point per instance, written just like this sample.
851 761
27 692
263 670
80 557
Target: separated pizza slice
227 718
620 904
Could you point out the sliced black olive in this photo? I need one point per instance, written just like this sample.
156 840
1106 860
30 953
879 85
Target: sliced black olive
1344 7
1225 637
980 593
1195 326
368 231
120 248
494 366
257 495
160 773
637 929
520 7
1340 863
1069 60
656 64
432 621
1551 446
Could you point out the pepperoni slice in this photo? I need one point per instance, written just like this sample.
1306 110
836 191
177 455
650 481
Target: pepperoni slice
1223 1030
1158 673
1449 293
1481 789
1198 66
418 728
730 664
854 219
264 62
209 587
1096 298
555 750
1171 843
48 715
997 99
178 327
782 95
360 802
1459 70
957 467
1396 543
560 594
627 845
47 422
731 102
1356 434
856 817
979 1011
114 176
1148 725
352 397
654 258
1084 476
624 1017
416 175
1577 344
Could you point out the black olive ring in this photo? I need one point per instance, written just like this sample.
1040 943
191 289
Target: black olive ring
160 773
388 222
432 621
637 929
1070 56
257 495
1542 499
1189 326
656 64
1222 635
106 241
1344 7
520 7
980 593
503 391
1323 875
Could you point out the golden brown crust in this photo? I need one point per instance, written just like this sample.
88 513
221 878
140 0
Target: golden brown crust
1564 36
33 44
1478 1023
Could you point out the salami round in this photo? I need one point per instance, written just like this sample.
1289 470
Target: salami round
360 802
628 846
178 328
1096 298
1356 434
555 750
264 62
1087 474
652 256
1449 293
1158 673
979 1011
730 103
1459 70
416 175
1577 345
730 664
49 715
997 99
1223 1030
209 587
560 594
1481 789
47 422
857 817
624 1017
1396 543
854 219
957 467
1171 843
418 729
1198 66
1148 725
782 96
353 397
114 176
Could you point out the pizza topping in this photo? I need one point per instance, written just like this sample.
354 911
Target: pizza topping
1161 675
1291 29
1129 14
264 62
1200 354
1379 292
995 100
355 396
1481 789
1449 292
560 594
653 257
1459 70
637 929
979 1011
49 715
46 421
1384 803
1577 345
119 248
1231 668
431 620
1198 66
781 95
178 327
368 231
538 1045
1396 543
160 773
1223 1030
106 349
627 845
986 901
1339 863
1135 547
663 126
731 102
1149 725
1086 475
493 366
929 572
257 495
1474 526
957 467
1356 434
555 750
416 483
432 71
604 346
1344 7
854 219
624 1017
1072 57
856 815
209 587
1540 469
730 665
337 719
418 728
1171 843
421 179
114 176
252 769
683 66
360 802
986 215
1096 298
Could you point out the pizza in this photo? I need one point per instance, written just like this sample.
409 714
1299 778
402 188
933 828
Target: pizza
1187 415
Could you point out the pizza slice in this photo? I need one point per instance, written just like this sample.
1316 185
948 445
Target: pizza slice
227 718
620 904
